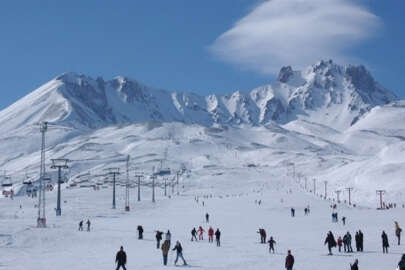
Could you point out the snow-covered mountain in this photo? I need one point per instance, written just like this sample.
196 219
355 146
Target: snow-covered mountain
325 93
333 122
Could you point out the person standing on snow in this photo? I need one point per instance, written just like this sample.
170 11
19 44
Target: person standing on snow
271 244
201 233
355 265
349 242
179 253
330 240
165 251
121 259
158 238
289 261
385 243
88 225
140 232
357 240
193 234
398 231
263 235
207 218
361 241
218 237
168 237
210 235
292 212
344 220
81 225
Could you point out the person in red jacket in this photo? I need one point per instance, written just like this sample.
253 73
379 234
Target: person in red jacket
200 233
210 235
289 261
340 243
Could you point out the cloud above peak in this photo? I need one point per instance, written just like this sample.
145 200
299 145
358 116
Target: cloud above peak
295 32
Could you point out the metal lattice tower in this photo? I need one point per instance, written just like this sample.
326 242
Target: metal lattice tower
41 220
127 187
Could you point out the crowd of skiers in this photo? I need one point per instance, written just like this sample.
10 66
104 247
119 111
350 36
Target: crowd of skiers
88 223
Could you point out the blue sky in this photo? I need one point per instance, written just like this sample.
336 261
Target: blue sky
183 45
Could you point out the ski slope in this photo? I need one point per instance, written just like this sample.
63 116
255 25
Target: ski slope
232 209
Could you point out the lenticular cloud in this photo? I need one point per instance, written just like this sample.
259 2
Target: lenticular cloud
297 32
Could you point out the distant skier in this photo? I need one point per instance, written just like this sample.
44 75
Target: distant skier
218 237
207 218
271 244
165 251
210 235
88 225
289 261
401 264
292 212
121 259
201 233
357 240
339 243
355 265
262 234
179 253
193 235
140 232
168 237
344 220
398 231
330 240
385 243
81 225
361 241
158 238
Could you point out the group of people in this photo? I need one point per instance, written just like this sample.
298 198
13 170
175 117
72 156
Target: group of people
88 223
263 238
211 234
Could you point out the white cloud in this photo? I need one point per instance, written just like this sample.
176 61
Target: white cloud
295 32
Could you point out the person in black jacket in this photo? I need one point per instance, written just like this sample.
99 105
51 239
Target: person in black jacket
385 243
218 237
401 264
330 240
355 265
361 241
158 238
121 259
179 253
289 261
140 232
194 235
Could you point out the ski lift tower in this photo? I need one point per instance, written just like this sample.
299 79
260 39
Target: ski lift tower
114 172
41 220
59 164
127 187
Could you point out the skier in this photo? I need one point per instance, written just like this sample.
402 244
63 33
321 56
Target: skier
121 259
88 225
207 218
81 225
140 232
193 234
361 241
168 237
339 243
357 239
292 212
385 243
344 220
398 231
158 238
262 233
201 233
218 237
165 251
271 244
179 253
349 242
355 265
289 261
401 264
330 240
211 235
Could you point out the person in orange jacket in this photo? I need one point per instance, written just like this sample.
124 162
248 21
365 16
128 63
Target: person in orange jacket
210 235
